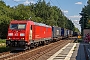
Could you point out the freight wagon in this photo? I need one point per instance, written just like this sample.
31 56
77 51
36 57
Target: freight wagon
70 33
64 33
56 33
75 33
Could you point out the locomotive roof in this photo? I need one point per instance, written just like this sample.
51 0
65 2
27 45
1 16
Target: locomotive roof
25 21
18 21
41 24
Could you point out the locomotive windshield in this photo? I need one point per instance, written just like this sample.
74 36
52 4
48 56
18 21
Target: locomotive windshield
17 26
21 26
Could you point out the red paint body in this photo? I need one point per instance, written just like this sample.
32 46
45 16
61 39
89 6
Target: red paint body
38 31
41 32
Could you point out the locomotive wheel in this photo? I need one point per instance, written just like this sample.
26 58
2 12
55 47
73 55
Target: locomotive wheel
29 47
32 45
36 44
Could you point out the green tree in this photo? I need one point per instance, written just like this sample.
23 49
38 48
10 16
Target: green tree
41 12
84 20
4 19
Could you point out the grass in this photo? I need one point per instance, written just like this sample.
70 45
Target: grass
2 40
3 48
2 43
78 40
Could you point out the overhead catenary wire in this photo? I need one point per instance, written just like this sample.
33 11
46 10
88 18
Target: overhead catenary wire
58 3
15 1
49 1
52 2
60 7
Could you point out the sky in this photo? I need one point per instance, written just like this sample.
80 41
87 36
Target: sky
70 8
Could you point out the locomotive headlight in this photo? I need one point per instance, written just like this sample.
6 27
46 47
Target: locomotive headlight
9 38
10 34
22 38
22 34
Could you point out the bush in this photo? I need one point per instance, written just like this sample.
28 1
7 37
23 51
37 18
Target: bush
4 49
79 40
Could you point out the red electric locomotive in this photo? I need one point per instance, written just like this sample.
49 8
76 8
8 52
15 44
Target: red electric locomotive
25 34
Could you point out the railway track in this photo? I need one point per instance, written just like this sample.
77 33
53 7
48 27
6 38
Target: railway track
7 55
3 53
34 54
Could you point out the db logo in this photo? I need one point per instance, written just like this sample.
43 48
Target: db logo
16 34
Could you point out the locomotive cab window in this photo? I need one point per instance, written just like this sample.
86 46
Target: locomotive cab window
17 26
21 26
13 26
